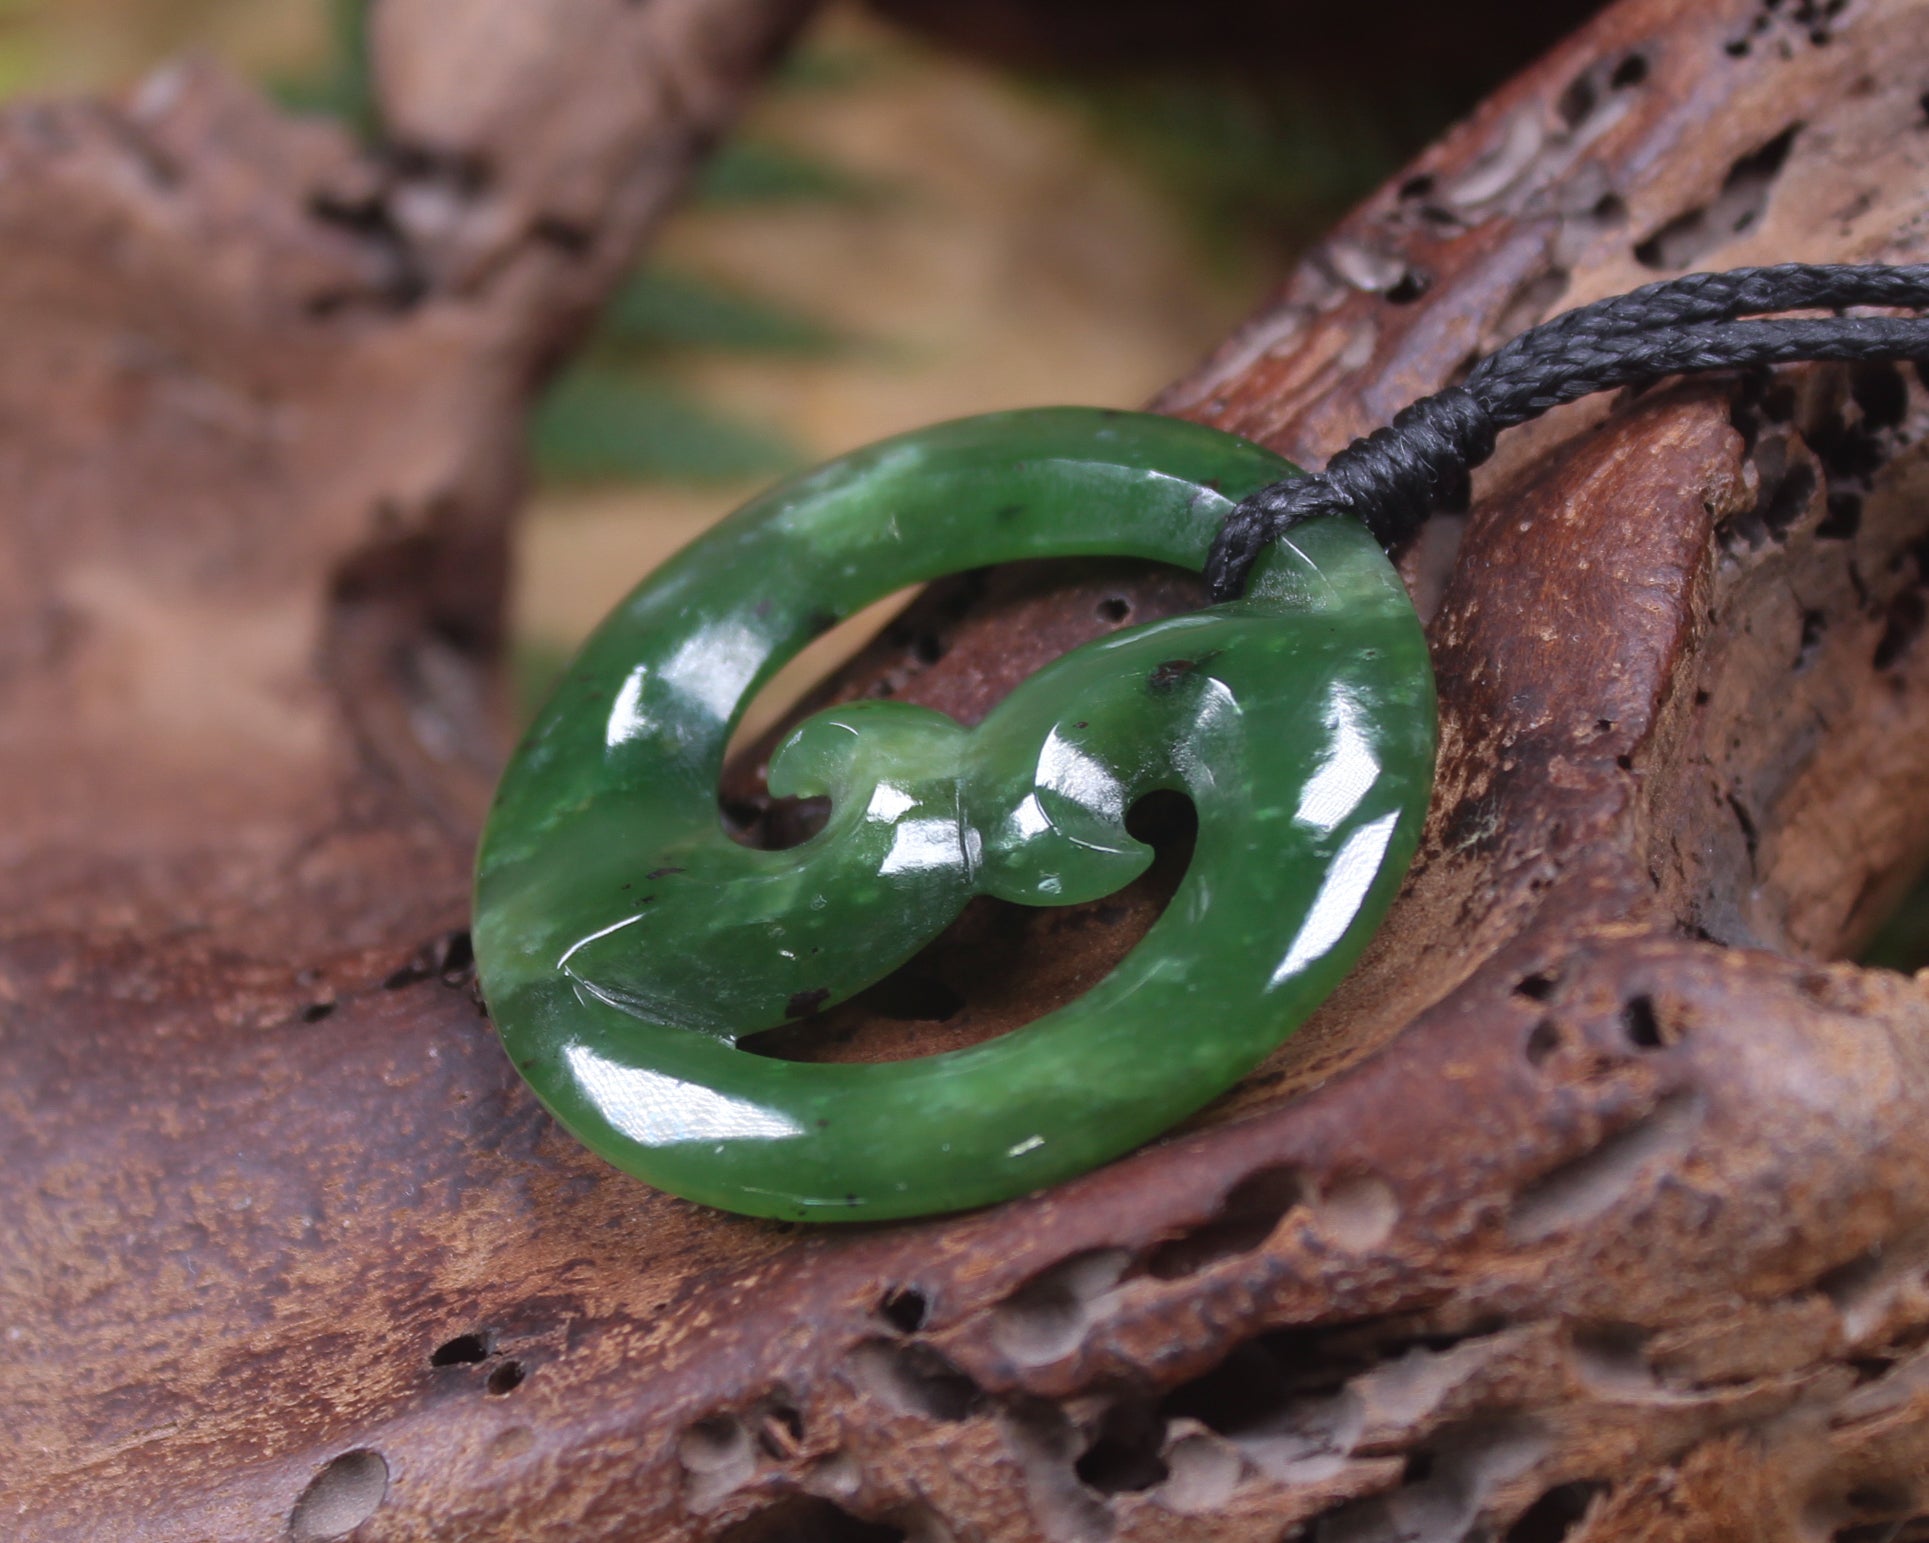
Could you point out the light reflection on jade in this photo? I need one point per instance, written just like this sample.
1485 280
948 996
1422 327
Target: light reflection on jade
626 943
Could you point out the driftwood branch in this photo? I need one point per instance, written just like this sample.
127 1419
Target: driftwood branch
1596 1206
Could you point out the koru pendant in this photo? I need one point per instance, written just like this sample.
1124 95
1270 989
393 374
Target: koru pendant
626 943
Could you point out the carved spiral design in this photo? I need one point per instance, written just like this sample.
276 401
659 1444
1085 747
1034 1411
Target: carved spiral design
626 943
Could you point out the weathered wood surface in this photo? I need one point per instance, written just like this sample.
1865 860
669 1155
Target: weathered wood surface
1598 1204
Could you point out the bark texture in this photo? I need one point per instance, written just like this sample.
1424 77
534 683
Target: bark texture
1595 1207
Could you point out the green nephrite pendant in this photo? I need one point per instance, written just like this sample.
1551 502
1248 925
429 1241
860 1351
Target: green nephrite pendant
626 943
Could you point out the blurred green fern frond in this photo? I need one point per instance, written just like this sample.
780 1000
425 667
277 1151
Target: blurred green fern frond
604 424
20 56
756 171
340 85
621 414
1279 158
662 308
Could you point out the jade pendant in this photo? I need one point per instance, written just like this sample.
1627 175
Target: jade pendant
626 943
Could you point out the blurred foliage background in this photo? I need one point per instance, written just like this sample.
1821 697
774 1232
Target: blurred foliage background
934 209
902 230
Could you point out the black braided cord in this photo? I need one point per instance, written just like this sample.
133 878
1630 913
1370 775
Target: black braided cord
1398 475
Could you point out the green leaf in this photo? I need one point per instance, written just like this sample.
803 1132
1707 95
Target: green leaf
599 424
751 171
340 86
813 66
662 309
1282 156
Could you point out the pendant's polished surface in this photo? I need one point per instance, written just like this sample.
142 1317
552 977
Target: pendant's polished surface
626 942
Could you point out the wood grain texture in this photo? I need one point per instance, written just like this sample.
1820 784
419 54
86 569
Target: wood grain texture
1595 1206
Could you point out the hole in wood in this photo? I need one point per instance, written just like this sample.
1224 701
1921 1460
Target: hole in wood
1124 1457
340 1498
1612 1359
716 1443
1047 1317
463 1350
1631 71
1556 1513
1544 1041
928 648
1650 1026
1592 1184
1357 1211
1844 518
1914 1529
808 1519
917 1380
1577 102
1410 286
904 1309
450 956
1252 1209
1785 501
1736 208
1901 629
1814 624
780 1431
1879 390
